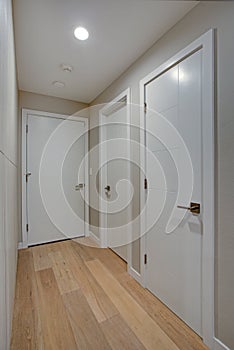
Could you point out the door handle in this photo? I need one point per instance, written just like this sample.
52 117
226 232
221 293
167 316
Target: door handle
79 187
27 176
194 207
107 188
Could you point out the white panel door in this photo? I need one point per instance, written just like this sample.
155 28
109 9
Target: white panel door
116 170
173 271
55 204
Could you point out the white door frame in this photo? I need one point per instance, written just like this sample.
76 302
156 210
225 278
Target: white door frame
102 155
25 113
205 42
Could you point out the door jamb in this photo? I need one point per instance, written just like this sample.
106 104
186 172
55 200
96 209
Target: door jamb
206 42
24 211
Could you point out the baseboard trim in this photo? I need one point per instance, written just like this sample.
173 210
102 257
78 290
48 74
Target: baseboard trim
22 245
95 238
218 345
132 272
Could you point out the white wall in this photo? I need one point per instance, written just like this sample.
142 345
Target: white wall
8 172
206 15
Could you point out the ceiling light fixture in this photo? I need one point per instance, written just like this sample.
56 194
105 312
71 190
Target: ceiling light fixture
58 84
81 33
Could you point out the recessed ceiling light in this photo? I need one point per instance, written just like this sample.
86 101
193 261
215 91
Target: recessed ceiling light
58 84
81 33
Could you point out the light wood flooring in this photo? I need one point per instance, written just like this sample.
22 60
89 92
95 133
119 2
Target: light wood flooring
71 296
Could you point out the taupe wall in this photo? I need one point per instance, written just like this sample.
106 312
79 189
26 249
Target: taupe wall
44 103
48 103
8 172
206 15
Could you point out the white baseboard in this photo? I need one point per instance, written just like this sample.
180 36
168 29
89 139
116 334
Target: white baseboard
218 345
22 245
132 272
95 238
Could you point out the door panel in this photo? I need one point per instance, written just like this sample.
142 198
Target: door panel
41 227
115 171
166 86
173 271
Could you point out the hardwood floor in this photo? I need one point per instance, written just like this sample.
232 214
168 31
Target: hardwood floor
71 296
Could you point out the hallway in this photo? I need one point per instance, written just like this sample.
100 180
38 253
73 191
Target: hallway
72 296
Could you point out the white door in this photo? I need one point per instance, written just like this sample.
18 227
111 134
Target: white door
56 178
115 126
173 270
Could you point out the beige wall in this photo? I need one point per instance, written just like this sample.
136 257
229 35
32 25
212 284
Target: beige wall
44 103
48 103
206 15
8 172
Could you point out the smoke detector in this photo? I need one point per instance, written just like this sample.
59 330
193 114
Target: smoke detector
66 68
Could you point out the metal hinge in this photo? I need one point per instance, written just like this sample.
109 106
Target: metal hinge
27 227
145 107
145 184
145 259
26 128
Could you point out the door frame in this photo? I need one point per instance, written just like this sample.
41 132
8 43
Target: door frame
103 209
206 43
24 204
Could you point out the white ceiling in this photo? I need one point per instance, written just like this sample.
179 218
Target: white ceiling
120 32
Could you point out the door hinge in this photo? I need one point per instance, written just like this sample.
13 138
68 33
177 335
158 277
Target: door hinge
145 107
145 184
27 227
26 128
145 259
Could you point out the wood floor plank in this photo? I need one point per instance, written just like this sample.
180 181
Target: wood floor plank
40 257
64 276
84 252
112 262
148 332
182 335
26 324
119 335
86 329
57 331
116 265
97 299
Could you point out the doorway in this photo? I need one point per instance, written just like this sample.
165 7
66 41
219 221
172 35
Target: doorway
178 266
54 177
115 173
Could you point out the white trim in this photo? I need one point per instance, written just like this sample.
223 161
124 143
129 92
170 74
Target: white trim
22 245
132 272
205 42
218 345
95 238
25 113
102 177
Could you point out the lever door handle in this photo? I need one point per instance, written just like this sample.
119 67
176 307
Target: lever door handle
79 187
27 176
194 207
